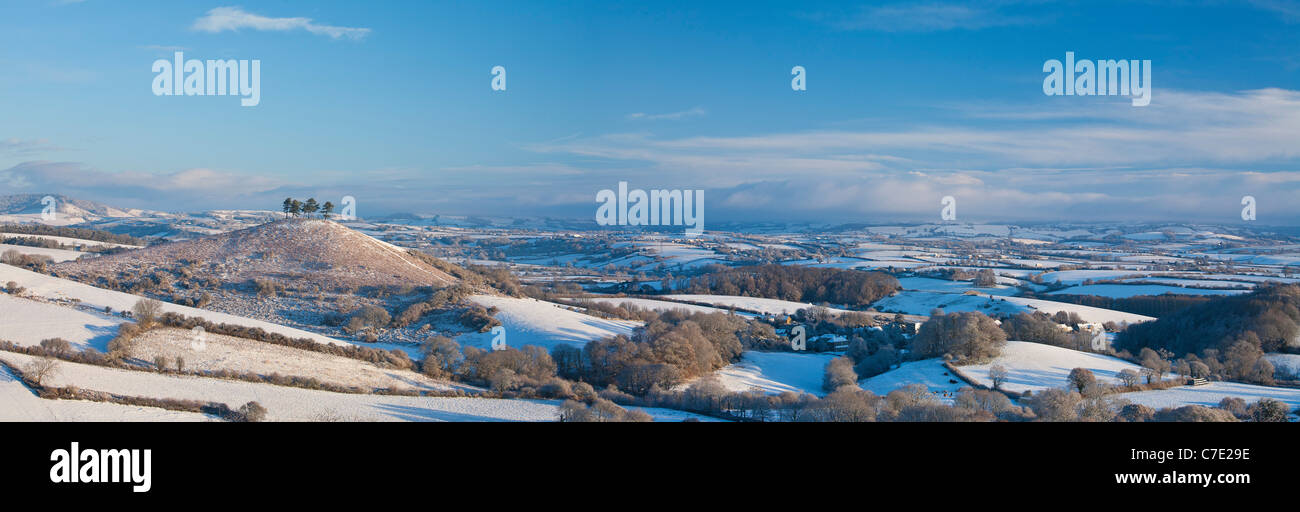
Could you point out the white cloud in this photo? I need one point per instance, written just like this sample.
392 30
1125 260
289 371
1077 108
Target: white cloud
18 146
928 17
234 19
1189 155
1178 129
75 179
671 116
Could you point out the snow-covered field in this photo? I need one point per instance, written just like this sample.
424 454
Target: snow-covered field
1285 362
295 404
58 255
57 288
17 403
27 322
775 372
1035 366
655 305
545 324
921 303
218 352
72 242
930 284
762 305
282 403
1121 291
929 372
1210 394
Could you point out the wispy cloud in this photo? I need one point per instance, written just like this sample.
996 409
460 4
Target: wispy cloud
1181 128
18 146
163 48
671 116
222 19
1109 159
173 188
1288 10
928 17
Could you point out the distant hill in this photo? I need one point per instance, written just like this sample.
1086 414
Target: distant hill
30 204
323 251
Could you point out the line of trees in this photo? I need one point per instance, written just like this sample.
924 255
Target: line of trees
96 235
797 283
294 207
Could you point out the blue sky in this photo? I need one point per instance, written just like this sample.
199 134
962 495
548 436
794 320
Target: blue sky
907 102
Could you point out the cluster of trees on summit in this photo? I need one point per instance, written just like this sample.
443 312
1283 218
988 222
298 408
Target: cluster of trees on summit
309 207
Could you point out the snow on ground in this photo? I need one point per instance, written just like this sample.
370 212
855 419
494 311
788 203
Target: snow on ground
920 303
931 284
58 288
1079 276
545 324
27 322
1199 283
72 242
670 415
296 404
775 372
282 403
762 305
929 372
654 305
17 403
218 352
1285 362
1210 394
58 255
1121 291
1087 313
1035 366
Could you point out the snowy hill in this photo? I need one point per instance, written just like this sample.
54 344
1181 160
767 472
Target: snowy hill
324 251
921 302
545 324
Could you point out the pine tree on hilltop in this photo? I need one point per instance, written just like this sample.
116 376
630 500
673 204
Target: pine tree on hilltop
295 207
288 204
310 207
327 209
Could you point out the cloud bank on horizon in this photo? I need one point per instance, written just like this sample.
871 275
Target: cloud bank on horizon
907 102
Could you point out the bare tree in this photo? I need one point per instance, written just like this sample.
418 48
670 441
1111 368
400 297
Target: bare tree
998 374
42 369
146 312
1129 377
56 345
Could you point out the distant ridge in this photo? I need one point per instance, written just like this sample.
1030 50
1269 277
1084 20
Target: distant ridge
28 204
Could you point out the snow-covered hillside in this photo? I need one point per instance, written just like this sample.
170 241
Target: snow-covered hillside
922 302
1035 366
545 324
775 372
56 288
27 322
